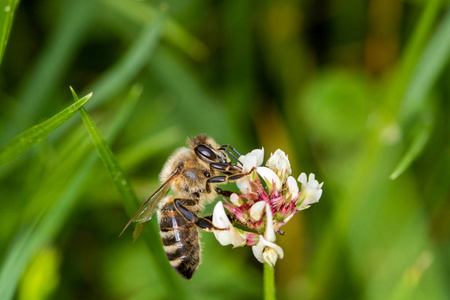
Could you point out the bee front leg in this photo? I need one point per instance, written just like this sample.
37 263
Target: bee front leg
225 167
229 178
224 147
200 222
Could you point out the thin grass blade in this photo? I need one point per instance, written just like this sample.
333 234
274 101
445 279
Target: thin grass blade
37 133
421 137
173 33
110 161
412 53
55 58
130 64
7 9
433 60
131 203
120 75
33 237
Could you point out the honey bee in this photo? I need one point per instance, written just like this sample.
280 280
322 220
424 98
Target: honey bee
192 174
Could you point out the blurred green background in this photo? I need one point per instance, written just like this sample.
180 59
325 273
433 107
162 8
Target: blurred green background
353 91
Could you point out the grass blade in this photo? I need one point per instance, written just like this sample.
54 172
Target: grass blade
433 60
118 176
130 64
412 53
131 203
7 9
420 139
32 238
37 133
174 33
431 63
54 59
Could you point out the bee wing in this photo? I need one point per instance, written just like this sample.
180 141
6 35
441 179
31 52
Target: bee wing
148 208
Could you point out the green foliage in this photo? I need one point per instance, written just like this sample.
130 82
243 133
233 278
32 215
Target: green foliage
354 92
7 9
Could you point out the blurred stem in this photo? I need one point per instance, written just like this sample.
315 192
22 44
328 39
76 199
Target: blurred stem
269 282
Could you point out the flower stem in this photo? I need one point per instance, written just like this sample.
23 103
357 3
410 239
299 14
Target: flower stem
269 282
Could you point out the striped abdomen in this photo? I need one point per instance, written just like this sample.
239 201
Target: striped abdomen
180 239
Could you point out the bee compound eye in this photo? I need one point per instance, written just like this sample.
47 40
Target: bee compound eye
206 152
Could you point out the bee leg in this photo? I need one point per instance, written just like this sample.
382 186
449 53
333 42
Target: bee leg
224 147
223 193
225 167
202 223
229 178
232 148
231 218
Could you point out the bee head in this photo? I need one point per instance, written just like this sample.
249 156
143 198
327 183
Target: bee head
207 149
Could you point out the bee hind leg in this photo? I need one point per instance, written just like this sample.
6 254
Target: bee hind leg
200 222
223 193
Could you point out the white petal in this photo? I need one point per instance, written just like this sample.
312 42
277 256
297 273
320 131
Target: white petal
225 237
257 210
269 235
302 178
234 199
244 185
252 159
292 187
258 250
249 163
269 177
259 153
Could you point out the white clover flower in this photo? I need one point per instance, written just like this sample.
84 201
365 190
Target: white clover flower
266 251
279 199
225 237
251 160
311 190
279 163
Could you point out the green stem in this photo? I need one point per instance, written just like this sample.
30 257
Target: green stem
269 282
